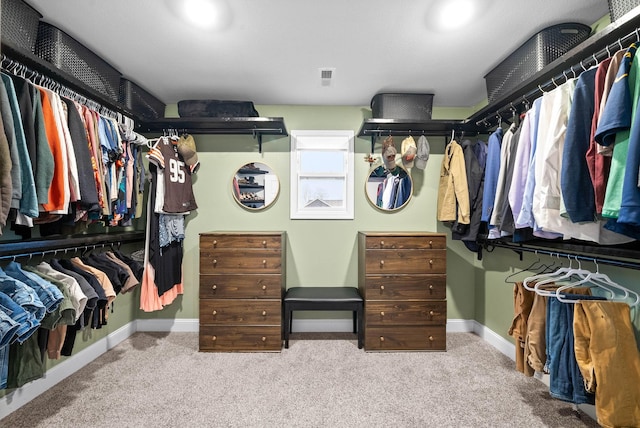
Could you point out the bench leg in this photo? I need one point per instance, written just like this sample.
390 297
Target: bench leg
287 325
355 321
360 317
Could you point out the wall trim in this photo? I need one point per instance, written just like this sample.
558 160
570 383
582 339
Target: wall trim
180 325
494 339
21 396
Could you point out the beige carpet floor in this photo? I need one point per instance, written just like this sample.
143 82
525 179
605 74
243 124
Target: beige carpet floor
322 380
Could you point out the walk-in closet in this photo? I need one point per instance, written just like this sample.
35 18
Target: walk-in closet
338 214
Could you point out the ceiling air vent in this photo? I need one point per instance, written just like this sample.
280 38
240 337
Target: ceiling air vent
326 74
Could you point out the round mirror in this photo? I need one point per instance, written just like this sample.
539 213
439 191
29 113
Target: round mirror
389 190
255 186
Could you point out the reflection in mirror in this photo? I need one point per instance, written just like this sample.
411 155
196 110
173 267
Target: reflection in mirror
389 190
255 186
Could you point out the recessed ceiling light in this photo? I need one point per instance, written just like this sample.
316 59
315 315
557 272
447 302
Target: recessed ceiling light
205 14
456 13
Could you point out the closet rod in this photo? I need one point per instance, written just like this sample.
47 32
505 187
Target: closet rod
520 248
43 246
523 101
19 69
48 70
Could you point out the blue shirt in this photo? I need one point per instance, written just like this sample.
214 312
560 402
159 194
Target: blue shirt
578 193
491 173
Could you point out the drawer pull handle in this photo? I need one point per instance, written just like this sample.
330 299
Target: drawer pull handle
214 287
431 338
264 339
264 262
382 287
264 313
431 244
215 262
431 313
381 262
214 338
381 338
382 313
264 287
431 262
214 313
430 286
382 243
264 243
215 243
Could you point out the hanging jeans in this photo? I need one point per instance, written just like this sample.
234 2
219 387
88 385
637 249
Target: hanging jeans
606 350
565 380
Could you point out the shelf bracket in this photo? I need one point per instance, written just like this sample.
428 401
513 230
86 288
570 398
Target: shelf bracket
258 136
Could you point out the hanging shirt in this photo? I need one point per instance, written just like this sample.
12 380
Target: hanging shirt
492 170
575 181
614 129
178 189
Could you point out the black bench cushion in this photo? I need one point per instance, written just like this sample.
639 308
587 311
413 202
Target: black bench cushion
332 294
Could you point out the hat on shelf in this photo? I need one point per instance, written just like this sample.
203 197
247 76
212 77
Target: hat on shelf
409 151
422 154
187 148
389 153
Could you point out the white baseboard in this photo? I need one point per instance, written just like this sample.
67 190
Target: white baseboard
494 339
19 397
181 325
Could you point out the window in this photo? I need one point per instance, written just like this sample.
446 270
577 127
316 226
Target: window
322 174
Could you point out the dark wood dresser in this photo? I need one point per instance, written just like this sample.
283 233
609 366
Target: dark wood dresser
242 282
402 279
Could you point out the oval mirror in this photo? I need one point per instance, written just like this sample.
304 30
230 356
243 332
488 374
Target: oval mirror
255 186
389 190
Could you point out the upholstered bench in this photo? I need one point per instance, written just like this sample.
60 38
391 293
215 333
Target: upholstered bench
323 299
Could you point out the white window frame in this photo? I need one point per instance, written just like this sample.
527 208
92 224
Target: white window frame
303 144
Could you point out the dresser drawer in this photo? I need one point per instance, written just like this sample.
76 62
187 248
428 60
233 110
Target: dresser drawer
241 286
240 261
248 241
406 313
405 261
405 287
246 311
246 339
393 242
405 339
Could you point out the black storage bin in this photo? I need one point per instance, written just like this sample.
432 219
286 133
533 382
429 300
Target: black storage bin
402 106
618 8
216 108
537 52
139 101
69 55
19 25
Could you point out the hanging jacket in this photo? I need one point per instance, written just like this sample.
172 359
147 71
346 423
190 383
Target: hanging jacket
474 160
453 191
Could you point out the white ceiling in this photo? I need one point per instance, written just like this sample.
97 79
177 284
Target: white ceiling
271 51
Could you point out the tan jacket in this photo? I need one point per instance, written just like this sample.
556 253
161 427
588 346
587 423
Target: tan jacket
453 191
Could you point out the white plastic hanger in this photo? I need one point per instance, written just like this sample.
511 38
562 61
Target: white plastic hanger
604 282
556 276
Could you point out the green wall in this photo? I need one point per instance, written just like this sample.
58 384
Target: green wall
319 252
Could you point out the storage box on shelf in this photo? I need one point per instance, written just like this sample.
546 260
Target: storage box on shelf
537 52
19 25
619 8
140 101
402 106
72 57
